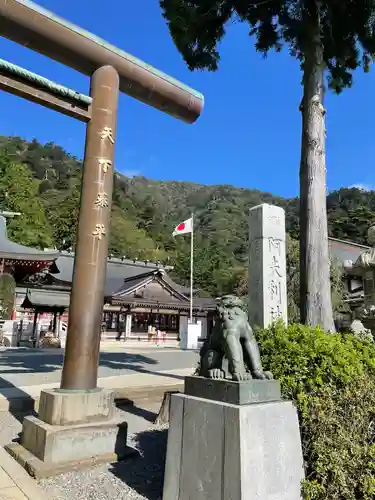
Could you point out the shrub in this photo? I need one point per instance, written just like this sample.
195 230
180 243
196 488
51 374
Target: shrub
331 380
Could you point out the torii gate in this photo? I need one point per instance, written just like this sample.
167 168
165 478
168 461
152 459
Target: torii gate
110 70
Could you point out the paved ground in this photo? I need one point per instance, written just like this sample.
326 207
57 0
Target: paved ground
138 479
23 368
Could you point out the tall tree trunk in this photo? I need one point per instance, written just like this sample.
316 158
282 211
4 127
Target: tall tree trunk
315 286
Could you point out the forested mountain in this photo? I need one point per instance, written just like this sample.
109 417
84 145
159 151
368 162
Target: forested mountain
43 182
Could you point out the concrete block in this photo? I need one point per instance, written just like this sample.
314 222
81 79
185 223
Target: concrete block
232 463
272 463
75 407
200 464
228 391
233 452
55 444
174 446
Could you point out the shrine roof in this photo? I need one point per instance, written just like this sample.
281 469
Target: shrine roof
345 250
119 270
169 294
131 284
198 304
14 251
46 299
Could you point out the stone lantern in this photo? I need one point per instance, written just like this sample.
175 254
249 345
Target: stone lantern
365 267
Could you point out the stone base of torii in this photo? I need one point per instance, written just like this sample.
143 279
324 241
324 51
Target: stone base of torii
72 431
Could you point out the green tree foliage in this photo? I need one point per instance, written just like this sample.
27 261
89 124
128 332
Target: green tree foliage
63 216
19 193
145 212
328 377
353 224
127 240
323 35
214 270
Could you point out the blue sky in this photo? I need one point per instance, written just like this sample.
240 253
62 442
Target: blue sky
249 132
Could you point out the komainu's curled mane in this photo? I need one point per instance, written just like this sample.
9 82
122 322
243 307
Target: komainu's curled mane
233 338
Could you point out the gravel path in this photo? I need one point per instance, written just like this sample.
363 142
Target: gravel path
136 479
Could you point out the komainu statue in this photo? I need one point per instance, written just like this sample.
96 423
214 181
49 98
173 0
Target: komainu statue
232 338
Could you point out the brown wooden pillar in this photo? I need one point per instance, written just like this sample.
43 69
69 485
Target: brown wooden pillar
81 361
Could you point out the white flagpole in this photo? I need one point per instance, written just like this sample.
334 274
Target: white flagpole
191 267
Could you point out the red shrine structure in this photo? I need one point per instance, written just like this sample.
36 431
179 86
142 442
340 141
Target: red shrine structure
21 261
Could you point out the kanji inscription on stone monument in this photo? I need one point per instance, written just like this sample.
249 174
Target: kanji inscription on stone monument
267 266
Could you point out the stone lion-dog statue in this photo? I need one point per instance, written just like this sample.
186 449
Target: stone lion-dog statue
232 338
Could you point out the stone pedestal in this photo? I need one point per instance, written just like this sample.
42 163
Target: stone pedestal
218 450
74 429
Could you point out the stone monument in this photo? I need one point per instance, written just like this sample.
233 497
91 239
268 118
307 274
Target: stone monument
267 266
231 436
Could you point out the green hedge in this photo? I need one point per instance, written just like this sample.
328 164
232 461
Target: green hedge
331 379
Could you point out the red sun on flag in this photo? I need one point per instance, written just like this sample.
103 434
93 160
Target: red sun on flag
184 227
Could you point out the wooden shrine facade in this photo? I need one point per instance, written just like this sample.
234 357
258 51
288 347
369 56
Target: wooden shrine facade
142 294
138 295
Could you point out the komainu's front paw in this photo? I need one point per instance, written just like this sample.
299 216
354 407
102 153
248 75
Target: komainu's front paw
261 375
216 373
242 375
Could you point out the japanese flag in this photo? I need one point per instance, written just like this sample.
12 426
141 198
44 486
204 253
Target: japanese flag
184 228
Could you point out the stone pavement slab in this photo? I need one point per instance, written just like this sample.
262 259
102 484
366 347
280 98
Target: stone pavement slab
13 398
15 483
35 368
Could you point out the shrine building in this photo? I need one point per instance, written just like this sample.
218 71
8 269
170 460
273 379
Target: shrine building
138 294
20 262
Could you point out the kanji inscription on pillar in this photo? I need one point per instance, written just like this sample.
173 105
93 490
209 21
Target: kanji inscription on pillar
105 164
107 133
267 266
99 231
102 200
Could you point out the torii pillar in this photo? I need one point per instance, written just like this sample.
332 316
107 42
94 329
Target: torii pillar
80 371
77 424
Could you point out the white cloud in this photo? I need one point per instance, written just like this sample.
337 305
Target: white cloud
363 187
